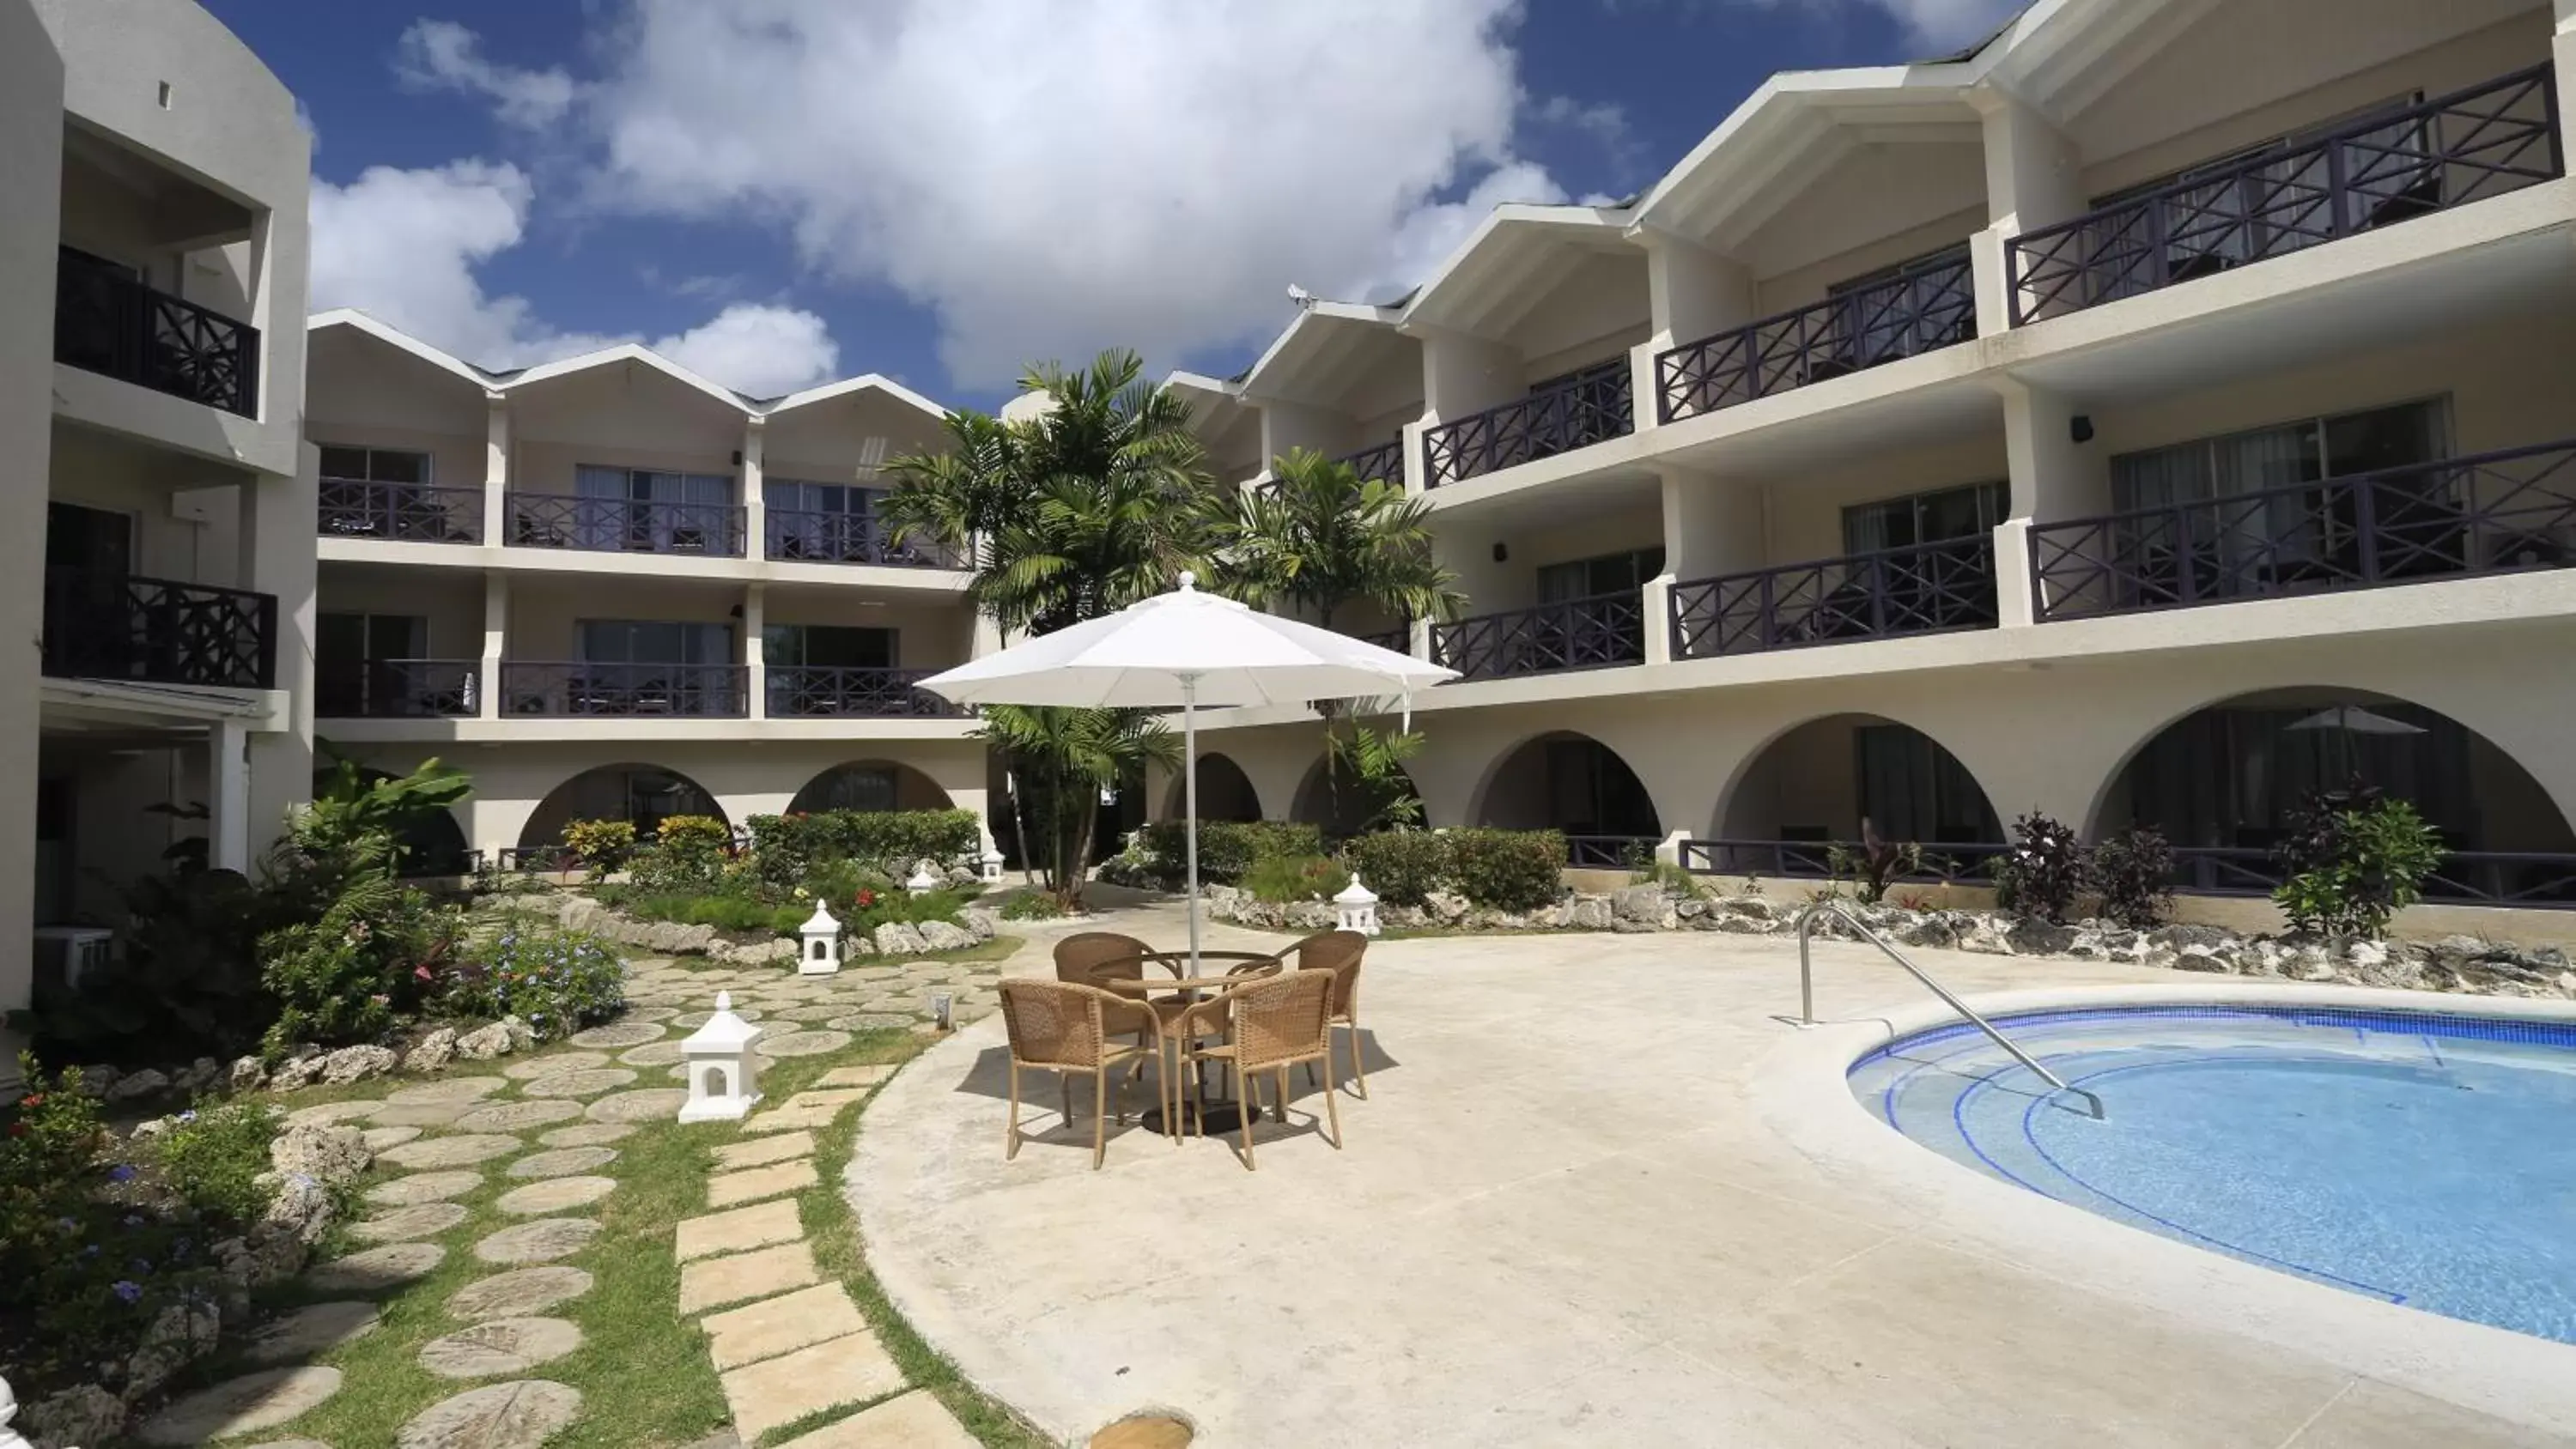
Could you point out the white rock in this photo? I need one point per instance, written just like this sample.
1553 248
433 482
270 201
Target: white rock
329 1155
432 1051
357 1064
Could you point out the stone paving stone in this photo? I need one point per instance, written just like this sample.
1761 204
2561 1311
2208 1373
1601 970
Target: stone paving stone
520 1415
449 1151
290 1444
449 1089
324 1114
801 1043
754 1183
380 1138
376 1269
517 1116
518 1293
916 1420
871 1021
562 1194
719 1281
562 1162
650 1013
805 1110
761 1151
867 1076
500 1346
419 1114
652 1054
531 1068
539 1241
644 1104
588 1082
310 1330
846 1370
737 1231
237 1406
779 1325
423 1187
586 1134
620 1034
420 1220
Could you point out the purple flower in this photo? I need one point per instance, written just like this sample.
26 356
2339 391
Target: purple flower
130 1292
120 1173
69 1225
188 1116
89 1250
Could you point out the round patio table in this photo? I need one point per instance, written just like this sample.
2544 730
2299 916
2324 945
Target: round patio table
1222 1115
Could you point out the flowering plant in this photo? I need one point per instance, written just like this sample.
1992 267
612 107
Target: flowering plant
557 981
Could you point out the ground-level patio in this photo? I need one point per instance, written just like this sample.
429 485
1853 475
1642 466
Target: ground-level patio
1600 1195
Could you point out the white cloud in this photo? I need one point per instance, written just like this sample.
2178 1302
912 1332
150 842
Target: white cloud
1050 180
1930 22
403 246
442 55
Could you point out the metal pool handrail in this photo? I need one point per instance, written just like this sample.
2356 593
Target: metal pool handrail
1807 994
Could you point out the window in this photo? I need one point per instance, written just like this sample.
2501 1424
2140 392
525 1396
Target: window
92 540
672 512
1915 306
629 641
1935 517
1912 790
346 646
2283 455
792 495
828 646
375 465
1587 578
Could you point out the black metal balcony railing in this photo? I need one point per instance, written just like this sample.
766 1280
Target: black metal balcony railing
400 512
158 631
714 691
2386 168
625 525
1609 852
798 535
2485 513
1399 639
1814 859
2526 879
802 690
1921 309
1588 407
399 689
1385 461
1926 589
108 322
1591 633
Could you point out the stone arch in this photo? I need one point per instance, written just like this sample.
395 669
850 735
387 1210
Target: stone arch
434 845
1566 780
869 785
2224 772
1225 791
1815 779
1339 813
645 794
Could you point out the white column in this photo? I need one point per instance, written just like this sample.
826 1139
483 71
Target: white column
1712 525
496 469
1658 621
755 530
228 783
2562 50
2034 178
1691 293
1461 375
496 638
755 657
275 557
2053 477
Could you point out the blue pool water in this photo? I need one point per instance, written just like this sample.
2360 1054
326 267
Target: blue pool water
2422 1159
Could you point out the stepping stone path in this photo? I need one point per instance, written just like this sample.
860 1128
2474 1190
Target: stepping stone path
423 1187
450 1089
586 1083
422 1220
325 1114
380 1138
311 1330
586 1134
376 1269
517 1116
562 1162
621 1034
537 1242
531 1068
419 1114
237 1406
518 1293
517 1415
499 1346
450 1151
652 1054
802 1043
563 1194
647 1104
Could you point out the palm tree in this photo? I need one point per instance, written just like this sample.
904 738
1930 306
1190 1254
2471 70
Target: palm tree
1323 537
1066 757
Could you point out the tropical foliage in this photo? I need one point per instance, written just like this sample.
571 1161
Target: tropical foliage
1323 538
2354 858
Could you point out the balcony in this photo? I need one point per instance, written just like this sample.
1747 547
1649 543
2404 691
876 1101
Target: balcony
2386 168
107 321
1925 589
399 689
157 631
2482 514
1921 309
1593 633
806 691
1385 461
625 525
1399 639
400 512
1941 864
1588 407
679 691
800 536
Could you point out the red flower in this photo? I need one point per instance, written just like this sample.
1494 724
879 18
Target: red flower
37 1100
867 897
420 973
17 1129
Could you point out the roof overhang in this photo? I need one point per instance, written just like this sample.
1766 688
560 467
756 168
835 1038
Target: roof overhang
1328 347
1507 265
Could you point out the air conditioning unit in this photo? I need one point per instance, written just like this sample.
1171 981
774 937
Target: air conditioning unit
66 953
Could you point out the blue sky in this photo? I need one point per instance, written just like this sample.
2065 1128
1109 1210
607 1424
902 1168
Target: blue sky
780 191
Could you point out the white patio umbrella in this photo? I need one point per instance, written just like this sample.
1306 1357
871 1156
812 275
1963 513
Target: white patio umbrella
2348 720
1189 649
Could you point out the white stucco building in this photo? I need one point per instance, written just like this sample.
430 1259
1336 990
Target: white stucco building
2143 417
159 593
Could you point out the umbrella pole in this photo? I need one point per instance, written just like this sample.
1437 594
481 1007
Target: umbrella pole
1190 802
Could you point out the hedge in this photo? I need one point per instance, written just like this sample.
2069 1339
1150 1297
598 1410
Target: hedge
1506 870
1228 848
786 848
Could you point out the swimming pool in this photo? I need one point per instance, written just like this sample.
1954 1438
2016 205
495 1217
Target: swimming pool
2420 1158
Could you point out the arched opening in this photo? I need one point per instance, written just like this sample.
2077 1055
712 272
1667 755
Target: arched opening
1225 792
2228 777
644 794
432 844
1813 785
1576 784
715 1082
869 785
1336 803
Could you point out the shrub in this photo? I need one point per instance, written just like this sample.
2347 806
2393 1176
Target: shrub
688 853
1874 865
2133 870
1228 848
214 1158
1401 866
1281 879
1664 873
2354 858
347 976
557 981
601 845
788 848
1508 870
1031 906
2042 871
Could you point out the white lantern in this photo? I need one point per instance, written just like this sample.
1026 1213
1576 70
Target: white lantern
992 865
923 882
822 954
9 1438
1357 907
724 1076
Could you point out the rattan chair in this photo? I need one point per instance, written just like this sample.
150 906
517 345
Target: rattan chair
1338 952
1270 1026
1064 1027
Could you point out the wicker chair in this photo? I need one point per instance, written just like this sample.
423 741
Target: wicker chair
1271 1026
1064 1027
1338 952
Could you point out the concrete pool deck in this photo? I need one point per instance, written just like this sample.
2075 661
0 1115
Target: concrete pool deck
1601 1195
